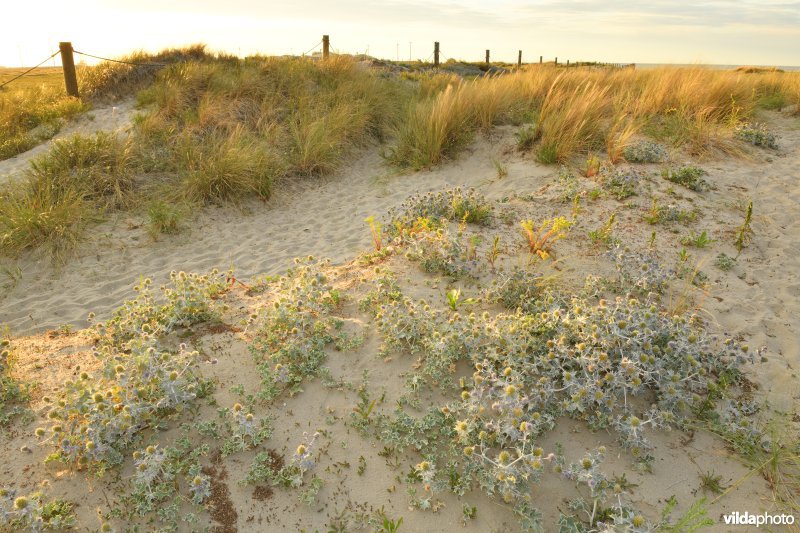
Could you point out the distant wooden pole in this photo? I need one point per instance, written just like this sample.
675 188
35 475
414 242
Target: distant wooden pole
436 54
556 61
326 46
519 59
487 58
68 62
567 62
540 60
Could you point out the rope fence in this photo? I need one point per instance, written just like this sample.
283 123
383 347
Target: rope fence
120 61
312 48
15 78
66 52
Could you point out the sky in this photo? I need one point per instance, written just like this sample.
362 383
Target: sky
731 32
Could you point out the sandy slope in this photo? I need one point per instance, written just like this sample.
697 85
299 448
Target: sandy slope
759 299
304 217
105 118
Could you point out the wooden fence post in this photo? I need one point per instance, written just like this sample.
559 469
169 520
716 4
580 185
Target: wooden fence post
326 46
68 63
519 59
556 61
487 58
436 54
567 62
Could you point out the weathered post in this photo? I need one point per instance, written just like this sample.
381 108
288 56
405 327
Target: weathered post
567 62
436 54
326 46
540 60
556 61
519 59
68 63
487 58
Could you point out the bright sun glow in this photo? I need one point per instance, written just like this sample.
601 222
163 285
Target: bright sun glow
716 32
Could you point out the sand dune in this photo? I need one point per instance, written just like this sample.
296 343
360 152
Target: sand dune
104 118
759 298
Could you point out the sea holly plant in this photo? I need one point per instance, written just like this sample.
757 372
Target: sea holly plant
622 183
441 252
592 512
756 134
270 467
32 513
293 332
409 326
519 288
432 210
644 151
12 393
246 431
688 176
189 298
301 462
589 360
95 420
163 474
640 272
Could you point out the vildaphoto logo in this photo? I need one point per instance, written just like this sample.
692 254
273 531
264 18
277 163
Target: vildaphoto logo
747 519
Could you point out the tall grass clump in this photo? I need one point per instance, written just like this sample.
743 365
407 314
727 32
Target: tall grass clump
791 88
581 110
231 127
224 167
214 129
99 167
63 190
132 72
32 115
571 120
434 129
437 126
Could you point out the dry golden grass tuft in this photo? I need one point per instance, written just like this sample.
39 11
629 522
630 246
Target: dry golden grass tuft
578 110
217 128
33 114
